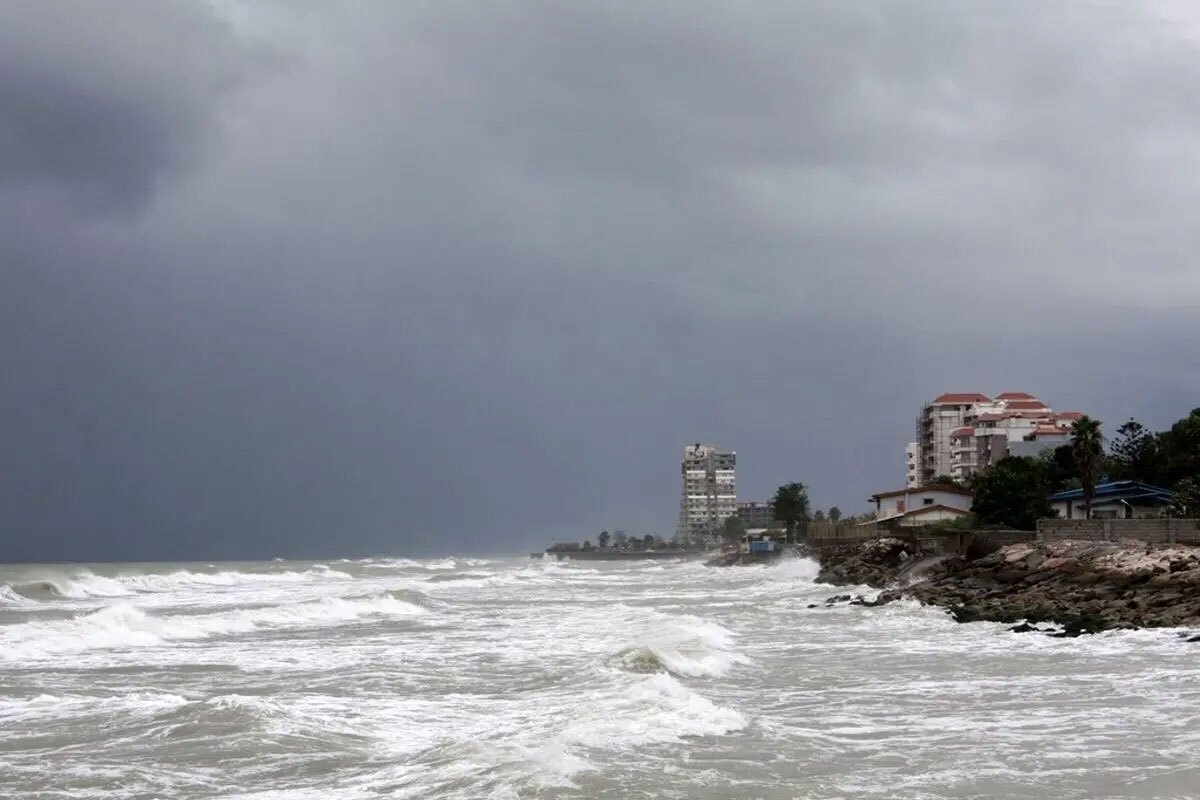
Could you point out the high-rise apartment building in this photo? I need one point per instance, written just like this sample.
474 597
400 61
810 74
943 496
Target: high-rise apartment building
709 492
935 424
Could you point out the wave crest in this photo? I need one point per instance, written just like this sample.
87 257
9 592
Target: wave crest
82 584
656 709
682 645
123 625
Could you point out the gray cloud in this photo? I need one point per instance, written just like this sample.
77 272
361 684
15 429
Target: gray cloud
96 102
428 280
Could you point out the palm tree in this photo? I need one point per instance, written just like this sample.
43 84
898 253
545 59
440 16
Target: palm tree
1087 446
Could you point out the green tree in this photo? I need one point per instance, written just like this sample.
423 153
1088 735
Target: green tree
818 516
1135 454
1061 470
1186 497
603 539
648 541
733 529
791 507
1012 493
835 513
1181 449
1087 446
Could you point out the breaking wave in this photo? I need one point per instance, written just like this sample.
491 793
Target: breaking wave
448 577
682 645
9 596
620 718
83 584
804 568
123 625
31 590
655 709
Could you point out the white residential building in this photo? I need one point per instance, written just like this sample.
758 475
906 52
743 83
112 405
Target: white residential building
936 423
959 434
709 493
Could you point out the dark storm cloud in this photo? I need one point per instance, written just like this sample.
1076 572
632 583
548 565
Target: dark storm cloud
446 279
96 100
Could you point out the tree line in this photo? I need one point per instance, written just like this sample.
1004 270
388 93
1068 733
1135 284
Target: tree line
792 509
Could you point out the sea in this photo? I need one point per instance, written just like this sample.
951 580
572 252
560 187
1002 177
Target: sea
523 678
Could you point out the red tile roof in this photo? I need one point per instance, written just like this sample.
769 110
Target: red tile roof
1015 396
963 432
933 487
1025 405
959 398
1069 415
1050 430
989 418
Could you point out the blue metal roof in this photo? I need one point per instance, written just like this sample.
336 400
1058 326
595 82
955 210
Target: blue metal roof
1123 490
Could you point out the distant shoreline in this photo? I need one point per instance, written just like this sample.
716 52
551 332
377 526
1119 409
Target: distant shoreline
618 555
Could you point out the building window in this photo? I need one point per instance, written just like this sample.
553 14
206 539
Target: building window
927 501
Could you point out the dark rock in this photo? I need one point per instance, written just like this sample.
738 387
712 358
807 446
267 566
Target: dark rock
1037 577
1085 588
882 600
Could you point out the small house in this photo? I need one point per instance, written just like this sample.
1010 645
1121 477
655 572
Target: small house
1114 500
760 542
921 505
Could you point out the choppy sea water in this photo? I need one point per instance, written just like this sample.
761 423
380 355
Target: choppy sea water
466 678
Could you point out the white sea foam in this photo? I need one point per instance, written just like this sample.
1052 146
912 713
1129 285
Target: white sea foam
682 644
794 568
125 625
84 584
653 710
9 596
391 563
46 707
521 679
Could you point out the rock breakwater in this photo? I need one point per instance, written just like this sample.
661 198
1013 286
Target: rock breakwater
876 563
1084 587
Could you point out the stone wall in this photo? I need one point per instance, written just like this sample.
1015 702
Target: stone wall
1151 531
836 539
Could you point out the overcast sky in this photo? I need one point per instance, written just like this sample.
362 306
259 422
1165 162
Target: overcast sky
308 279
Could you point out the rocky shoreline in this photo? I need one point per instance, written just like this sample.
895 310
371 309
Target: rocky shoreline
1080 587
